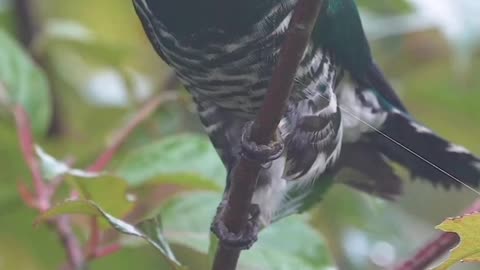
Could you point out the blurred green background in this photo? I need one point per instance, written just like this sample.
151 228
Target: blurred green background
101 69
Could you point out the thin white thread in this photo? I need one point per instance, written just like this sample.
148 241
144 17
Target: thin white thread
410 151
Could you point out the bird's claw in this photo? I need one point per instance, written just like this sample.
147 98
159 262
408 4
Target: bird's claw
243 239
262 153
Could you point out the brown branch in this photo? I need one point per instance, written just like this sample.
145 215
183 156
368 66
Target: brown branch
244 177
436 248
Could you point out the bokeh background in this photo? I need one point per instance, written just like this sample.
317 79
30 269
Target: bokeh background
101 69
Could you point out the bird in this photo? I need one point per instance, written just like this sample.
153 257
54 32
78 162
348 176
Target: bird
342 112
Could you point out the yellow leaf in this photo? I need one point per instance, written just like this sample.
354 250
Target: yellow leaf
468 229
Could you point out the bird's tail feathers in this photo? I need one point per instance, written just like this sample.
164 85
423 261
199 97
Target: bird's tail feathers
427 155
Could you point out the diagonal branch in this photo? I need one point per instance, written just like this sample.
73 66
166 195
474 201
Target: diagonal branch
244 178
122 135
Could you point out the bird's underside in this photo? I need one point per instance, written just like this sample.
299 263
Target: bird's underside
360 123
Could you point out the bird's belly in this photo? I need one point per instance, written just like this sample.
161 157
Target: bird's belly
243 99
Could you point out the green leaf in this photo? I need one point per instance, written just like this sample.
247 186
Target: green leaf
187 180
288 244
186 219
108 191
212 249
152 234
70 207
152 229
25 83
386 7
468 228
188 160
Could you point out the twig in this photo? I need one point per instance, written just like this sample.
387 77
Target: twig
146 111
436 248
104 159
94 240
42 199
27 146
64 230
107 250
244 178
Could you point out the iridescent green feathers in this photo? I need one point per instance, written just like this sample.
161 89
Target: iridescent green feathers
232 17
339 30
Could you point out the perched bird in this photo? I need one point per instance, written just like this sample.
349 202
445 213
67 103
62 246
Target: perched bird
342 110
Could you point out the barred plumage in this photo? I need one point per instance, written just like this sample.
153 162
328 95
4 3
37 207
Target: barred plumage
228 79
225 59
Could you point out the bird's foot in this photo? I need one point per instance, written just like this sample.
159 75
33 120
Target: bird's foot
264 154
243 239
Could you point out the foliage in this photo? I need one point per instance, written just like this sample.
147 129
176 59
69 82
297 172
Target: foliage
166 178
187 161
24 82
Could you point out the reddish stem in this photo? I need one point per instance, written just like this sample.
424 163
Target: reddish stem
76 259
25 137
95 236
44 191
107 250
26 195
106 157
42 200
146 111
